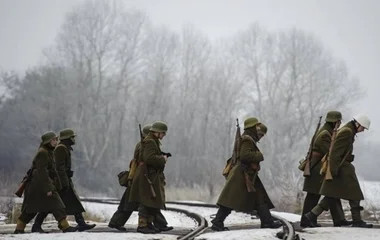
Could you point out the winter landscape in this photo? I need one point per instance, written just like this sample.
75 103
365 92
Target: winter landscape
102 67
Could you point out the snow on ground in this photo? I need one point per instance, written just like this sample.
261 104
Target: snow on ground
254 234
234 218
105 211
88 236
340 233
291 217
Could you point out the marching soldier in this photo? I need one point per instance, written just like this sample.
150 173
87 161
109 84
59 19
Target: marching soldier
244 190
312 183
41 192
62 154
148 186
344 183
125 209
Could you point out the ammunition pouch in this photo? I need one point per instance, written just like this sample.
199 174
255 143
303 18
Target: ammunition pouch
123 178
302 165
227 168
302 162
132 169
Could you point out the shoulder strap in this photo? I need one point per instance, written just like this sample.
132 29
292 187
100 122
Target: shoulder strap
249 138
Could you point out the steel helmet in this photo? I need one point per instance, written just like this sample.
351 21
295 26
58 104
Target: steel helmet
363 120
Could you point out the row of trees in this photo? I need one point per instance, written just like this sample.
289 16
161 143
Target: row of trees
111 68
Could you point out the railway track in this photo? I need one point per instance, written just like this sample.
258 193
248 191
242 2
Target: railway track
181 233
288 229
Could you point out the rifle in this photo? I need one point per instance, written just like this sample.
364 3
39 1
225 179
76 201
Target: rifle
144 165
325 169
305 165
231 162
23 183
166 154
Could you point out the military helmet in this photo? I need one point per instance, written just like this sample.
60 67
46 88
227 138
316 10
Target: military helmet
159 127
250 122
333 116
66 134
261 128
363 121
146 128
47 137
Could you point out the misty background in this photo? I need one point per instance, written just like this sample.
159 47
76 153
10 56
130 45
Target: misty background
101 67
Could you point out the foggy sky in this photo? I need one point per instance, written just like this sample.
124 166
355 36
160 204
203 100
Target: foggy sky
349 28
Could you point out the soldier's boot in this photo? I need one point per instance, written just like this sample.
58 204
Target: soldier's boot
218 221
343 222
161 223
357 219
150 224
143 226
311 200
37 225
266 218
65 226
20 227
317 210
311 220
82 225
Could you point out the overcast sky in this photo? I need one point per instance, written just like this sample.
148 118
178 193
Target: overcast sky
349 28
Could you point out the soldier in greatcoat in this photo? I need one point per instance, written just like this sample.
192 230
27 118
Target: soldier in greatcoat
148 186
68 194
237 193
125 208
312 183
41 191
345 184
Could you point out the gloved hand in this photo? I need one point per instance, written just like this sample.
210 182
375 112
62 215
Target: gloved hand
70 173
166 154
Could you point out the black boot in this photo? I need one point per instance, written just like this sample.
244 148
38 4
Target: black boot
37 226
357 218
151 226
362 224
120 228
160 222
266 218
82 225
343 223
70 229
17 231
218 221
311 220
311 200
144 225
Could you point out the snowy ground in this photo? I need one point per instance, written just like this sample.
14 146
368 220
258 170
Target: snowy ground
104 212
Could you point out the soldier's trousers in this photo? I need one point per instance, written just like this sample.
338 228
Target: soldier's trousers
336 209
355 210
42 215
147 215
119 218
25 218
311 200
